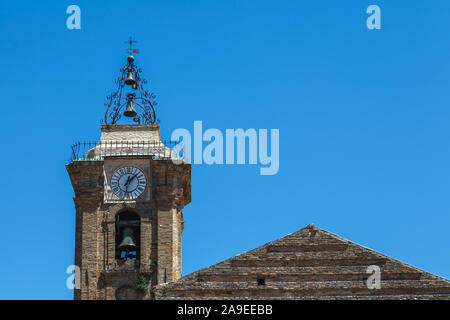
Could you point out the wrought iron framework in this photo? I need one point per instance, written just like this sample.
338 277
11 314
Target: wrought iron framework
83 151
116 101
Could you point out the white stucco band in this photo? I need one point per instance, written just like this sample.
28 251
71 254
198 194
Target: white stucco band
130 140
130 132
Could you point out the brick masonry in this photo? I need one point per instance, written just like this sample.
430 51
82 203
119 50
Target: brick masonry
308 264
160 211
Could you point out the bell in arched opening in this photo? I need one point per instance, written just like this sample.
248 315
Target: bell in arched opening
128 236
127 244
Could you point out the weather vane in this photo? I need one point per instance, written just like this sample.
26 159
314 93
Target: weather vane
131 50
130 92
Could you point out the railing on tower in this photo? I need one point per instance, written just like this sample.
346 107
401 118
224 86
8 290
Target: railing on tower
83 151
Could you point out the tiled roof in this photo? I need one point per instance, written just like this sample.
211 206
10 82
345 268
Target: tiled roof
308 264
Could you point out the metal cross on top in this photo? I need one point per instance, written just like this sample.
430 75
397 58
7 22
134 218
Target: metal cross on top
130 42
124 102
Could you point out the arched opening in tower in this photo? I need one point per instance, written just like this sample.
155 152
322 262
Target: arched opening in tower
128 235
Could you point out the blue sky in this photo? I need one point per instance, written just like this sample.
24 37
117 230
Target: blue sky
363 117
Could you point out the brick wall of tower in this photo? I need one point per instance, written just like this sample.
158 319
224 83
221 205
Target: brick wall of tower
87 181
172 193
161 229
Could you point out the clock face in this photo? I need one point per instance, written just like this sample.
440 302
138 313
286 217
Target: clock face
128 183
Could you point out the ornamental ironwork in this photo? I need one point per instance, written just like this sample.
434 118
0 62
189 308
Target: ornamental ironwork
131 99
92 151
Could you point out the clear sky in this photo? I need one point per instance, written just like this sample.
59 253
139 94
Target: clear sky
363 117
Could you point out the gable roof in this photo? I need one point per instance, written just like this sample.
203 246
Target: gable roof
308 264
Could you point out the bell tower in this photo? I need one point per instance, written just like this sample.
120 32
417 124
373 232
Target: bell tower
129 195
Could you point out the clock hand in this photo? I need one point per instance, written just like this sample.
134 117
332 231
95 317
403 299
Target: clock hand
129 181
126 184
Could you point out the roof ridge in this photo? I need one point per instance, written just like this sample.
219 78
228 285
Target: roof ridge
192 276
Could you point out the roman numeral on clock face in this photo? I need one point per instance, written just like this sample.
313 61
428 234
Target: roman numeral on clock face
128 183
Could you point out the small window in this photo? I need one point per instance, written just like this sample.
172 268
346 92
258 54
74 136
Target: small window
261 281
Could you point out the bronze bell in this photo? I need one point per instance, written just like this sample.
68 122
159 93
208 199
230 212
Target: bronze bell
127 243
130 111
130 79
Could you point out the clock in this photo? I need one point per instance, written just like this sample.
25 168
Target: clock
128 183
